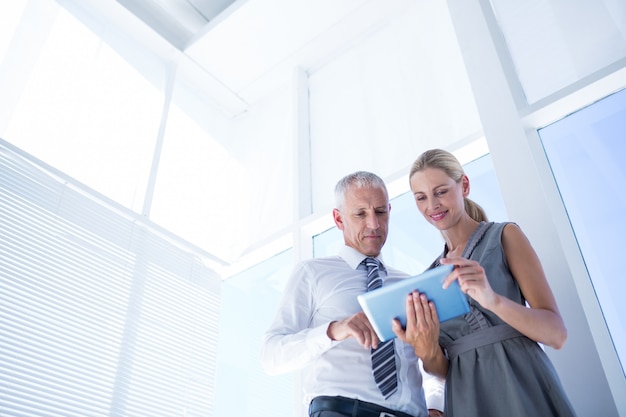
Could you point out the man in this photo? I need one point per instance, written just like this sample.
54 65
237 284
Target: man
319 326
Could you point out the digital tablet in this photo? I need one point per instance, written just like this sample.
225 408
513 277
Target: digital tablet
388 302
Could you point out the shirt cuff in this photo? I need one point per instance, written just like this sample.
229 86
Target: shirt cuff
434 390
317 339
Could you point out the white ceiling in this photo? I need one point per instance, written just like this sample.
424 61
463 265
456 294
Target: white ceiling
252 48
256 47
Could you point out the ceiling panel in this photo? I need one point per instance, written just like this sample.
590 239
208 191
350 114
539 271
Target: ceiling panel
178 21
248 50
255 49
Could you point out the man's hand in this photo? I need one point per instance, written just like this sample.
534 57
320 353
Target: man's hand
434 413
357 326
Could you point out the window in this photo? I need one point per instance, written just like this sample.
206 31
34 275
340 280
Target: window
586 152
249 301
560 49
101 312
79 106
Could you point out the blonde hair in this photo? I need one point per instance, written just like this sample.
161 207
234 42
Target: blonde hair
445 161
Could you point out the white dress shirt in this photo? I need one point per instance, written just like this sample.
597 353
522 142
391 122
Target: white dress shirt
320 291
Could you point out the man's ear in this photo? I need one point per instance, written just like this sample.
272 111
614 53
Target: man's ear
338 219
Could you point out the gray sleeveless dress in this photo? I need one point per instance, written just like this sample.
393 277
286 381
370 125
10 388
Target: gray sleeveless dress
494 370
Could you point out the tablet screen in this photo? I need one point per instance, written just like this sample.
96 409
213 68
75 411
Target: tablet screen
384 304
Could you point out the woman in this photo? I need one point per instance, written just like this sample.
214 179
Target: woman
490 357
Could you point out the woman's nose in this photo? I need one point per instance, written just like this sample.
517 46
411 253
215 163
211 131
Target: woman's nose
433 204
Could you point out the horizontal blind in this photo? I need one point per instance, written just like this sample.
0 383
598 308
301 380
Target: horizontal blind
99 314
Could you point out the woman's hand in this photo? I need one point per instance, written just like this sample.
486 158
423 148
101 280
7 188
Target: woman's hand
472 280
422 326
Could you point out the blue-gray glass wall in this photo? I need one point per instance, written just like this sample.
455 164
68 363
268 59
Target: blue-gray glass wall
586 152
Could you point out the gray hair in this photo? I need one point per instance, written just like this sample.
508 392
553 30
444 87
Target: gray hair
359 179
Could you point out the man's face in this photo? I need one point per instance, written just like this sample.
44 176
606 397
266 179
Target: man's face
364 219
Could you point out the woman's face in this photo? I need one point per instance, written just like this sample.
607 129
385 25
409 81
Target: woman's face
438 197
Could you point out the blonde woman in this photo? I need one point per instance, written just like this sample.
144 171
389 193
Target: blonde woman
491 357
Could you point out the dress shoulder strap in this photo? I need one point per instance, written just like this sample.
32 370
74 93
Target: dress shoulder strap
475 238
473 241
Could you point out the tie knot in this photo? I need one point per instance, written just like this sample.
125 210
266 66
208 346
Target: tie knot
370 263
373 266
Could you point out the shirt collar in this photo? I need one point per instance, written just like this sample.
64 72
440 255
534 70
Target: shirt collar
353 257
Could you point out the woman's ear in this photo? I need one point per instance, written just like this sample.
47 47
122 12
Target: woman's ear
465 185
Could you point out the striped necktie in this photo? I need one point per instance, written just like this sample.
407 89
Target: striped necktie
383 357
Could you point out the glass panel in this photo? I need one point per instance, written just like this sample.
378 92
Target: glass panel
10 16
224 184
586 152
200 192
387 99
86 111
249 302
555 43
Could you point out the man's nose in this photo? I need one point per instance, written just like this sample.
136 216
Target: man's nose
372 221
